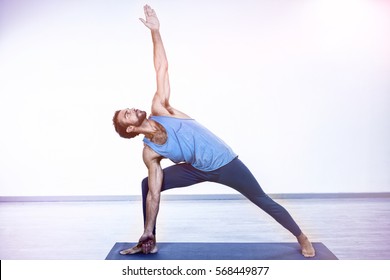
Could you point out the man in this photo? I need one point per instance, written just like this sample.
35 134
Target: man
199 155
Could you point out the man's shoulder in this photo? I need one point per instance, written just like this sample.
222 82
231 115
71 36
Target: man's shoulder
149 154
168 111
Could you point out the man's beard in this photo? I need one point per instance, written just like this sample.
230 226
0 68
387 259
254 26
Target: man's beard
141 117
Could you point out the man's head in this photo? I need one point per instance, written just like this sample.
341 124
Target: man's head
126 122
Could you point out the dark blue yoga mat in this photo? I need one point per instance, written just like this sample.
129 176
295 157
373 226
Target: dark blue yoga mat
223 251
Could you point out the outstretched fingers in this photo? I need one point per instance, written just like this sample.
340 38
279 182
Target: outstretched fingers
146 10
149 11
151 21
133 250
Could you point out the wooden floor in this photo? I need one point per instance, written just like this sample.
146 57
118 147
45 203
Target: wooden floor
353 229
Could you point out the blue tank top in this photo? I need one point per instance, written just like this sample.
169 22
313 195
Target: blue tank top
190 142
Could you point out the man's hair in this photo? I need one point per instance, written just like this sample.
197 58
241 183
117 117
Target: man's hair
122 129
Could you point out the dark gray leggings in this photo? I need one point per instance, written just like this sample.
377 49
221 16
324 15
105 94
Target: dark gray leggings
235 175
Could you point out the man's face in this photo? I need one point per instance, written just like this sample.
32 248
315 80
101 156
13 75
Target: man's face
131 117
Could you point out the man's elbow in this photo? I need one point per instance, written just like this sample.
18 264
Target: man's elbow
162 67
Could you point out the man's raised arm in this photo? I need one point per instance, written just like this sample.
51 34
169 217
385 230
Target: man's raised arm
161 98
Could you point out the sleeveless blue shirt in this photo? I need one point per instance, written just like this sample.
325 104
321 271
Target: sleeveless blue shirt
190 142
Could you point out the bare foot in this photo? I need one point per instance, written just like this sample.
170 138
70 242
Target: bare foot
306 246
137 249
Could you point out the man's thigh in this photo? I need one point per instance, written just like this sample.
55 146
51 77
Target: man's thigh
181 175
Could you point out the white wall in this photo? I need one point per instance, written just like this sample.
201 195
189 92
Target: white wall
299 89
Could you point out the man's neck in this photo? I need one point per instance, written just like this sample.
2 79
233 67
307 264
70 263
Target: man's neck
155 132
148 128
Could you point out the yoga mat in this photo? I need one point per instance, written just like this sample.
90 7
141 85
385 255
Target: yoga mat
223 251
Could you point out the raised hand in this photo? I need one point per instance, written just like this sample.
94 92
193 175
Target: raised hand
151 20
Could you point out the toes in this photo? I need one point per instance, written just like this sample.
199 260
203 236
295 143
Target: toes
307 254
